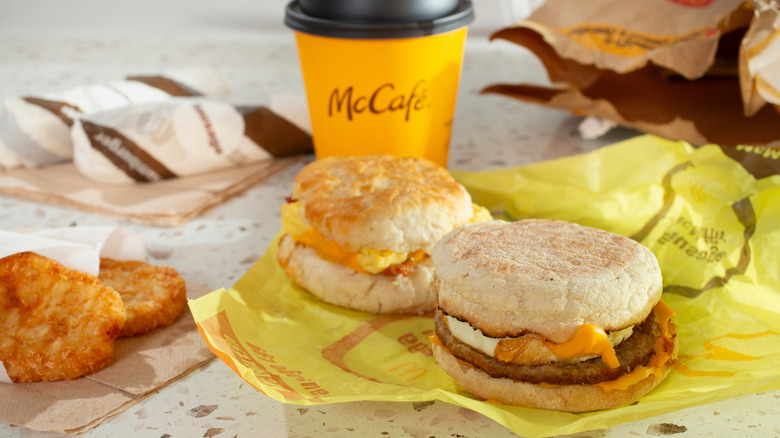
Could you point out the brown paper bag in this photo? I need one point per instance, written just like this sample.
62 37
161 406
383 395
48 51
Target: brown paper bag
701 71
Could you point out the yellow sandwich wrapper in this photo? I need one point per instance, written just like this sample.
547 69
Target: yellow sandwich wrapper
712 220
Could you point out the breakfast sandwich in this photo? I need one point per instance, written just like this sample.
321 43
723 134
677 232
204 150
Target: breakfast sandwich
550 314
358 231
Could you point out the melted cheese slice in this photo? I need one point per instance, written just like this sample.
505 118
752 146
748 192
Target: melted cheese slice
367 260
588 342
664 314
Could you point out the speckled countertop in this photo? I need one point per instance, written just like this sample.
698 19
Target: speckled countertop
48 46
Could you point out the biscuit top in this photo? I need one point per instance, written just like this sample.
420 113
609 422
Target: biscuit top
544 276
381 202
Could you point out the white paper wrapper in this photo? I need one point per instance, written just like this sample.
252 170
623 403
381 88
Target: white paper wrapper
78 248
294 108
35 130
184 136
759 61
3 374
593 127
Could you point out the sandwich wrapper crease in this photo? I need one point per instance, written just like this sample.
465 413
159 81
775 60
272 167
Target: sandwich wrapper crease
710 214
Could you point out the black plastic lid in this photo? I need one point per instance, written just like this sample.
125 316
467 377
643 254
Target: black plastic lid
377 19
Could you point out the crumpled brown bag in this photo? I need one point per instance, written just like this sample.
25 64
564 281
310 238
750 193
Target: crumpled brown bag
703 71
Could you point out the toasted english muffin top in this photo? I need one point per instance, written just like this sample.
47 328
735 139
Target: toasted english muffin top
544 276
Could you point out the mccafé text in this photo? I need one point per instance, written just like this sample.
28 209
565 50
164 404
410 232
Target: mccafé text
385 98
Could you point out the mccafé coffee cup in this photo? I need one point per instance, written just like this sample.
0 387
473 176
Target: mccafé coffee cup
381 76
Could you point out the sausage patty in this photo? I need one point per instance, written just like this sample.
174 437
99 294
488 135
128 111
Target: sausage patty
632 353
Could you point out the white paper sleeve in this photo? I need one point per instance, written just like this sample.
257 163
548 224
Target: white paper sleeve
35 129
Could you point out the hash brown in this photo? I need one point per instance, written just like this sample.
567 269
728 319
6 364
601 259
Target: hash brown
154 296
57 323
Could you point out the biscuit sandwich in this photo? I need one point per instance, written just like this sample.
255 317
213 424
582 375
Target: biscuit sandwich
550 314
358 231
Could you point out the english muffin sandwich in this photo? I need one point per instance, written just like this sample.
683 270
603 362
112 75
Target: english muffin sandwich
359 230
551 314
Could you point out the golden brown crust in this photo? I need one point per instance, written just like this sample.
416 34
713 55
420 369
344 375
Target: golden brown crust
568 398
381 202
58 323
544 276
154 296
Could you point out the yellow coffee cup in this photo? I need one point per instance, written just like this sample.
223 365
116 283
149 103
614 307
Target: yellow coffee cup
384 83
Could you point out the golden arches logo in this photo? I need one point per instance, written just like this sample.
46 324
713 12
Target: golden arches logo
697 192
620 41
410 368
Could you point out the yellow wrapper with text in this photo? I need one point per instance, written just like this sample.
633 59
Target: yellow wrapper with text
710 214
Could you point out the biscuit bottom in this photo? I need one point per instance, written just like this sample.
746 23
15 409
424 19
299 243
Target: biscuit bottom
342 286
